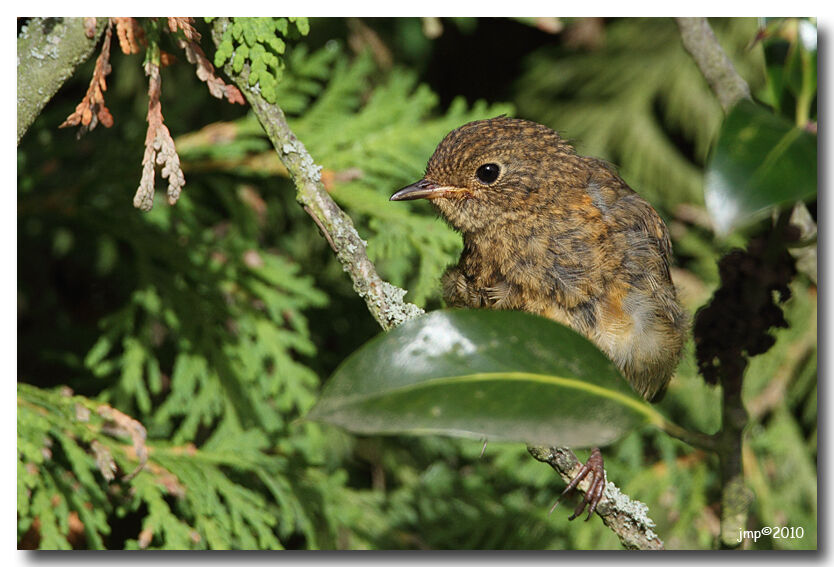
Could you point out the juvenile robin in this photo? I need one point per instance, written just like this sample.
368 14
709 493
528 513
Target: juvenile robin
558 234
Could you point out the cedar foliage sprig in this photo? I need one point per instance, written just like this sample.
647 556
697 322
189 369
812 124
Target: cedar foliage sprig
91 110
260 42
159 149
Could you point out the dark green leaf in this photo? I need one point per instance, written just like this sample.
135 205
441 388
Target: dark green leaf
484 374
761 161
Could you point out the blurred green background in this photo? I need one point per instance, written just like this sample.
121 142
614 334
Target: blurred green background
214 322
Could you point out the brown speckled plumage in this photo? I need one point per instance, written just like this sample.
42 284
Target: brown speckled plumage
560 235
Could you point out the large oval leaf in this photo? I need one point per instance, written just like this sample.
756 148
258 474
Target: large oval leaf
761 161
485 374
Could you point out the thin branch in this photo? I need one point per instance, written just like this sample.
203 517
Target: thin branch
627 518
702 45
48 52
736 497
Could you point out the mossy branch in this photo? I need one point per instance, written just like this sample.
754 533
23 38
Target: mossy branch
48 51
625 517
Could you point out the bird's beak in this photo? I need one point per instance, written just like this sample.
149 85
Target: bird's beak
424 189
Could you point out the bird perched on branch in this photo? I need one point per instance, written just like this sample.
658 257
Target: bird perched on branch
551 232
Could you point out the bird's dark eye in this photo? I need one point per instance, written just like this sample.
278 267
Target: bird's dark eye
488 173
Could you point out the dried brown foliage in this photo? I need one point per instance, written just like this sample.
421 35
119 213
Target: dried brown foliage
205 72
91 110
104 460
159 149
122 424
187 27
131 35
166 58
159 145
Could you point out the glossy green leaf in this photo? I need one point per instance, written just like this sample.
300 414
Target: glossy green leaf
483 374
761 161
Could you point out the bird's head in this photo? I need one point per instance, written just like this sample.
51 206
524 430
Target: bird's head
486 172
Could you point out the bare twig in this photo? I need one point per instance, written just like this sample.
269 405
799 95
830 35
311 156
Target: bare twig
702 45
805 250
736 497
625 517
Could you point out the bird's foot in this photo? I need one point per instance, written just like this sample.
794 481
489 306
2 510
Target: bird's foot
593 495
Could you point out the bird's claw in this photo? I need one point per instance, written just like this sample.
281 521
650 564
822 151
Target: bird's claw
593 495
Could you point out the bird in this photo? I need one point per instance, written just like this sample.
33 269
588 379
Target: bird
549 231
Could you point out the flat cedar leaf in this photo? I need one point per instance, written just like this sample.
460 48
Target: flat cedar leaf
281 25
761 161
504 375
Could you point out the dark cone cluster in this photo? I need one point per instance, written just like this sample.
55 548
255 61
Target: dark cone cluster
736 323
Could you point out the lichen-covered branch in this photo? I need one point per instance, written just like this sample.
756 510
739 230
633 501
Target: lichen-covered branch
701 43
385 301
627 518
48 51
